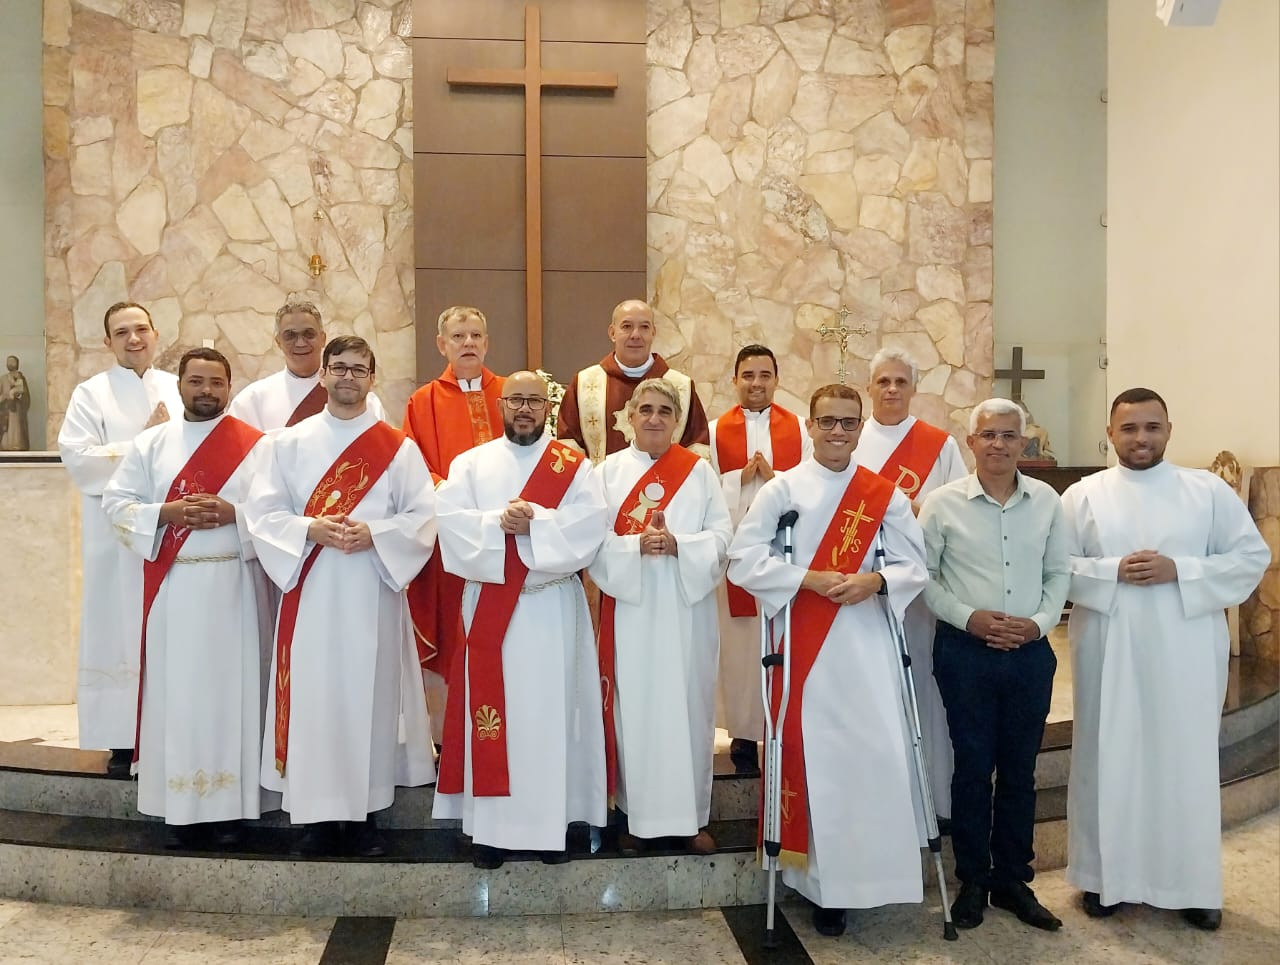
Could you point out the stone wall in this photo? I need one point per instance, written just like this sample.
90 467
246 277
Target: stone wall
1260 614
808 154
188 146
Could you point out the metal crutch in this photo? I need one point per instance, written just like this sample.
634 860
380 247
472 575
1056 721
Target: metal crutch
775 655
906 681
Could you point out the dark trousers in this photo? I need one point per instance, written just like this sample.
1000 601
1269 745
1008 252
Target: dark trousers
996 703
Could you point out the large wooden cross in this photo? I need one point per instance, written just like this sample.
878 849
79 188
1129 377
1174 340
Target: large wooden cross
1017 374
532 79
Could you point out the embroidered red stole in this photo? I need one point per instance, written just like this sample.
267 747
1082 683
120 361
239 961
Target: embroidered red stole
652 493
476 687
909 465
731 455
339 491
206 471
312 404
844 545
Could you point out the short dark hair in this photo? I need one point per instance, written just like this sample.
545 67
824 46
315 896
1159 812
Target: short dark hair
119 307
752 352
1133 396
833 391
349 343
205 355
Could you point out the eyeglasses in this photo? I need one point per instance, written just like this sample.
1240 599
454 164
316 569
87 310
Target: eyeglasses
355 371
828 422
990 435
517 402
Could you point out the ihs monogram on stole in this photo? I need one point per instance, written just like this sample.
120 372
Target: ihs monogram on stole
850 541
340 492
647 500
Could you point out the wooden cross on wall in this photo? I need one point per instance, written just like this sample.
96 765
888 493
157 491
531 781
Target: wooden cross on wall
1016 374
532 79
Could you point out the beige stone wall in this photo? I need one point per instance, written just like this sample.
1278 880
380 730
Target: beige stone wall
1260 614
808 154
188 146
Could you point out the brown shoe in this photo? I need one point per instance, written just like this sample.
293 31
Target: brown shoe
629 845
702 843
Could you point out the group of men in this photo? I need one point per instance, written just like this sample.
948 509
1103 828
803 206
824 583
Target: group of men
379 590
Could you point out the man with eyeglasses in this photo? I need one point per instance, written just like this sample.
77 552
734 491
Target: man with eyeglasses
449 415
294 393
998 573
851 820
341 523
523 734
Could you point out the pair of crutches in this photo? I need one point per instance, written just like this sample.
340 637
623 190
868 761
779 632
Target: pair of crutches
775 657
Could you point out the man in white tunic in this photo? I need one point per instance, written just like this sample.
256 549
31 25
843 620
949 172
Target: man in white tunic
748 444
342 523
524 734
176 501
1157 553
851 820
295 392
658 568
104 415
917 458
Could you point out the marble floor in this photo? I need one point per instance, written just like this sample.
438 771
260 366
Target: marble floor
902 934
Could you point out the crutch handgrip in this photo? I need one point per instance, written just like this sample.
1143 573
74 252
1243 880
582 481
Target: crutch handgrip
788 519
772 660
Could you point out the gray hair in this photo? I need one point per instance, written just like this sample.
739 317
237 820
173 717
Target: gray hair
661 386
299 308
997 406
887 354
456 313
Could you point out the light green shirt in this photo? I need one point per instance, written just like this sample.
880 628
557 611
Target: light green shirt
984 556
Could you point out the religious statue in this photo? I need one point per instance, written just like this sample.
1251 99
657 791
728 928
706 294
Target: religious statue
1227 467
1037 448
15 403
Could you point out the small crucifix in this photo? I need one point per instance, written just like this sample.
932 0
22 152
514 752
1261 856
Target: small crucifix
841 333
1017 374
532 78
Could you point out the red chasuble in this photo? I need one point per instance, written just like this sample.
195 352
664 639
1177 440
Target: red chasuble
444 422
652 493
339 491
731 455
206 471
844 545
312 403
482 695
909 465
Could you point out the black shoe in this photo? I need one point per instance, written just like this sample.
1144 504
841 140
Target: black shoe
184 837
1206 919
226 834
944 827
120 762
968 908
745 755
319 840
486 858
1091 901
1016 897
364 840
829 921
555 857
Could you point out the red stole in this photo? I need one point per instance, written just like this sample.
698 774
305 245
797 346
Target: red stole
337 493
476 677
909 465
844 545
669 471
206 471
731 455
312 404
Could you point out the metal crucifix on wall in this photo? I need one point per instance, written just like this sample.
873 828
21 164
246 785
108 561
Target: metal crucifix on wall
841 333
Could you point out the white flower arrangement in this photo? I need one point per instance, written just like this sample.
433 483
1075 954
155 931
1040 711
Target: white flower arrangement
555 394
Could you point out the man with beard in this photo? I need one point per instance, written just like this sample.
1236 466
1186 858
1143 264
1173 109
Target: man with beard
177 501
523 737
1157 553
104 416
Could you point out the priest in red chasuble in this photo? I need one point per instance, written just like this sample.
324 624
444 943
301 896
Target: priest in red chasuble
658 570
852 825
748 444
449 415
294 393
917 458
593 411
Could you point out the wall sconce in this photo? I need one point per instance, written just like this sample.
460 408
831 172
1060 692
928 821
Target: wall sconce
316 263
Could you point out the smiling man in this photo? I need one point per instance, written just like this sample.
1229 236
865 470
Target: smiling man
294 393
1157 553
848 841
104 416
593 411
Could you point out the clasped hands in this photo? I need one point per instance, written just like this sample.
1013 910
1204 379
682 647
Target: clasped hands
340 533
656 539
1001 631
759 466
198 511
516 517
845 589
1146 568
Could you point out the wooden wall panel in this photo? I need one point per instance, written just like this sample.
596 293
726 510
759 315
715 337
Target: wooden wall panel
469 211
597 221
612 21
576 310
499 294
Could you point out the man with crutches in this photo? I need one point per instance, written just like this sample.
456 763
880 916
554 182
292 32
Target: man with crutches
999 571
850 821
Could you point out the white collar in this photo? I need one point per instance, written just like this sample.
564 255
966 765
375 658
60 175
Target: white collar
637 371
